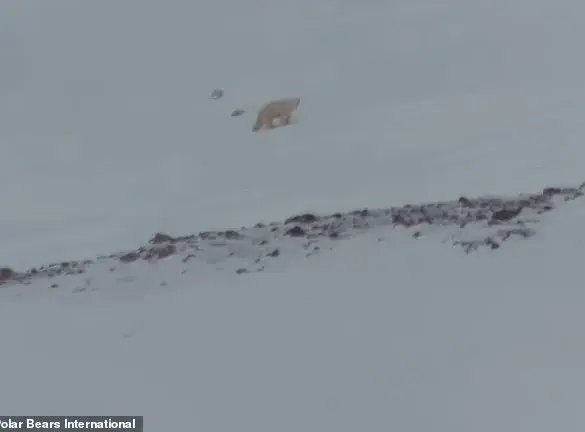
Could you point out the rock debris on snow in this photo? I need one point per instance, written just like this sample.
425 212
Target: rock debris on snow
216 94
469 223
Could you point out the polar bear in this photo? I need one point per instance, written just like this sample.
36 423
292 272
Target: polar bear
281 109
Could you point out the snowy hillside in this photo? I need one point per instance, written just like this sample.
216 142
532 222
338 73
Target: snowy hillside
108 132
396 335
472 224
406 256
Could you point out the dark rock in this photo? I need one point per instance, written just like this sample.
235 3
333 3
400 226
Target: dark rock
296 231
159 238
306 218
188 257
492 243
362 213
186 238
274 253
237 112
6 273
506 214
399 219
208 235
465 202
242 270
550 191
161 252
130 257
521 232
232 235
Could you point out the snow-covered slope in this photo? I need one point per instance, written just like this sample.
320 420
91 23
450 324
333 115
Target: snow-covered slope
469 223
397 335
429 127
108 133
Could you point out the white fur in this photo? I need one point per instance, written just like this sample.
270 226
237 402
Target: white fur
281 109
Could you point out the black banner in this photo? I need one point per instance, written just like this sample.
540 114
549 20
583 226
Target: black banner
71 423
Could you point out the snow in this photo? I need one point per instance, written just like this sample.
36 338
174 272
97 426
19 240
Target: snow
109 135
395 335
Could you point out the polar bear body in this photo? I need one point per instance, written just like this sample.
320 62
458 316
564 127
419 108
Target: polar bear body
281 109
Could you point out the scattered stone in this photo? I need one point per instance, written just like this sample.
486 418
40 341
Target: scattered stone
159 238
216 94
208 235
362 213
188 257
237 112
161 252
550 191
492 243
521 232
295 231
503 218
465 202
129 257
400 220
6 273
506 215
274 253
232 235
307 218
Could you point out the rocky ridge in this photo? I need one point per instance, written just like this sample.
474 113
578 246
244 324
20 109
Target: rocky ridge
470 223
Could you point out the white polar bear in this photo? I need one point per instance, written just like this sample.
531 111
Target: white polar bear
281 109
